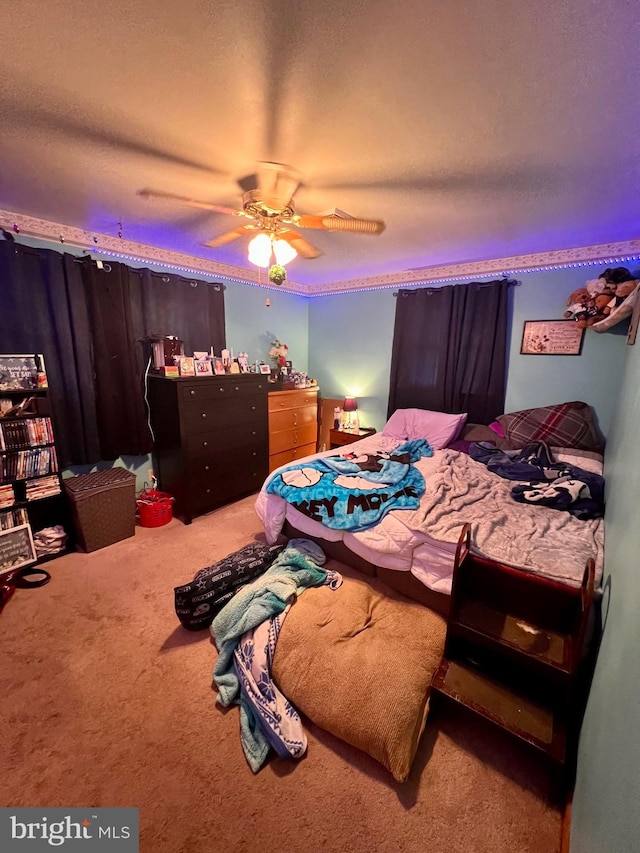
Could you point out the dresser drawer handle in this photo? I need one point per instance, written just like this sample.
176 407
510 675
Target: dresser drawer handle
204 414
253 432
236 388
255 453
205 443
192 392
220 389
208 491
206 467
260 387
253 408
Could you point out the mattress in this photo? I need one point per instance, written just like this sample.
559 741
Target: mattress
458 489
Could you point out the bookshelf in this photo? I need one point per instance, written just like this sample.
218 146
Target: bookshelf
32 499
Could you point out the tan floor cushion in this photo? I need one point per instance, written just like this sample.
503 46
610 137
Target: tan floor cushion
358 662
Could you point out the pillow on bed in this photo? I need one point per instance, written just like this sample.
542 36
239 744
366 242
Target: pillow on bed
563 425
358 662
439 428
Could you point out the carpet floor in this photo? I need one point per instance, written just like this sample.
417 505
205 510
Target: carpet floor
107 701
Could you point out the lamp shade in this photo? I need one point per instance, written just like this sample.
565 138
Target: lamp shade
350 404
284 252
260 250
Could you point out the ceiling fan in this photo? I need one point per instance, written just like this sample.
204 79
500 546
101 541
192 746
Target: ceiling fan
268 208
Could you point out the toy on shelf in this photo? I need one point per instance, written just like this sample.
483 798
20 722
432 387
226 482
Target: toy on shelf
604 301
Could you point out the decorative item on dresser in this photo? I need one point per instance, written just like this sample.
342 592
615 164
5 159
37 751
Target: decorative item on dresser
210 439
293 425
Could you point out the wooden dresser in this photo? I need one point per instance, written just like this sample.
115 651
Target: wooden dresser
293 425
211 439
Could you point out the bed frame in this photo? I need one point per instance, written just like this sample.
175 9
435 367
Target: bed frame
401 581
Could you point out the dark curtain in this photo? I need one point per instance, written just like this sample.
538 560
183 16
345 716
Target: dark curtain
449 350
43 310
91 323
126 306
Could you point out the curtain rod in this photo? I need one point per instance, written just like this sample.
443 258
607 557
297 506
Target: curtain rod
508 281
106 266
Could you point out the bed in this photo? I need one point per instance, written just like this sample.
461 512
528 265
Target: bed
413 550
375 651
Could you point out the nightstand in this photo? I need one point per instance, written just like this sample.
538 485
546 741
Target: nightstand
339 437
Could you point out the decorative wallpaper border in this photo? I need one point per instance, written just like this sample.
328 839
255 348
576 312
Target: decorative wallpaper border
103 244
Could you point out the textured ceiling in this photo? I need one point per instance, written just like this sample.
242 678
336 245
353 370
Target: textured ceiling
474 129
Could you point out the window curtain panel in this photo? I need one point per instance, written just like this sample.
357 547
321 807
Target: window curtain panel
449 350
127 306
43 310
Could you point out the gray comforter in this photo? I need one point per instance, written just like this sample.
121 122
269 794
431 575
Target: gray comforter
459 489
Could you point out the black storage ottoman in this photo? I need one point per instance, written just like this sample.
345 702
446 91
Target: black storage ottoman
103 507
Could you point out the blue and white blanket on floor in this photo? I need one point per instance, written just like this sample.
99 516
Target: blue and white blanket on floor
354 491
245 632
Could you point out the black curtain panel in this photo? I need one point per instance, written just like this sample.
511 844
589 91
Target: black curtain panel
126 307
43 310
450 349
92 322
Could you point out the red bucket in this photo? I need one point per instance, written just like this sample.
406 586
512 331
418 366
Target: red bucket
154 508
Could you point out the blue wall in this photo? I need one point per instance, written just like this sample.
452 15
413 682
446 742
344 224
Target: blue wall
252 326
350 338
537 380
605 806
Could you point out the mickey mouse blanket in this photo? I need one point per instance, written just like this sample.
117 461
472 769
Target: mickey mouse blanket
355 490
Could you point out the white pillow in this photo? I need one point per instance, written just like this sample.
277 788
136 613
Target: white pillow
439 428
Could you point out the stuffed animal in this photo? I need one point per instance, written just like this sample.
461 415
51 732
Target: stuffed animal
619 283
600 297
581 307
624 289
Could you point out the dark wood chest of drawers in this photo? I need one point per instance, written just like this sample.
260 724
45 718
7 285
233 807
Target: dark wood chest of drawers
211 439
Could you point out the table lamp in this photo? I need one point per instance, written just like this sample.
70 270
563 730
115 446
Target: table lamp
350 405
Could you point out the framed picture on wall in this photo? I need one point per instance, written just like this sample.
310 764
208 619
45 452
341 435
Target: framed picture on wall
551 337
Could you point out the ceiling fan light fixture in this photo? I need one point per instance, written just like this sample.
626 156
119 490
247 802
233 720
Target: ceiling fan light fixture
260 250
284 252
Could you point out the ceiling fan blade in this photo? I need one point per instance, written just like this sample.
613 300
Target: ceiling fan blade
229 236
191 202
302 246
340 223
276 183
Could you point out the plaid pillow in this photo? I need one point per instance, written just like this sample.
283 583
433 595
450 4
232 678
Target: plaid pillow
563 425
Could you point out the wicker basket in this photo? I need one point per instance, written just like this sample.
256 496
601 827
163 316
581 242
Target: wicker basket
103 506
